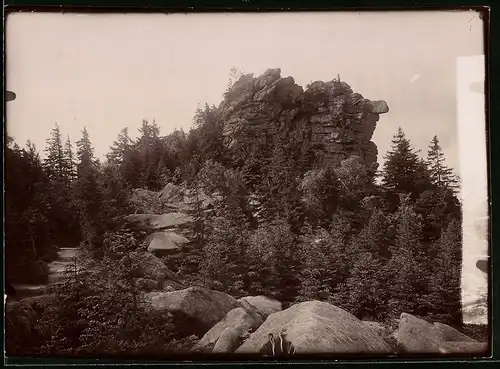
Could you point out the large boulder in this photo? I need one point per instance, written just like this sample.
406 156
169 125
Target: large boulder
418 336
152 268
318 327
171 193
264 305
205 306
378 327
165 241
450 334
225 336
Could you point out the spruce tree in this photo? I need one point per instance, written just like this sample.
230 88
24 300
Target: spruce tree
406 268
404 171
316 274
88 194
445 277
69 162
121 146
367 289
440 174
85 151
54 163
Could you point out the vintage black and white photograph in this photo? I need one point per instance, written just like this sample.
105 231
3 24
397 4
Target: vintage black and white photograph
270 185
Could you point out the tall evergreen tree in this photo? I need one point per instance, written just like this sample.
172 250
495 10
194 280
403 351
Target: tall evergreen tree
408 283
85 151
28 239
404 171
367 288
120 148
440 174
445 277
54 163
88 194
69 162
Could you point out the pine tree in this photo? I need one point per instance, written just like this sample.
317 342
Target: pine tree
85 151
406 268
404 171
367 288
69 162
54 163
375 237
88 194
224 265
440 174
149 133
316 274
121 146
445 277
32 153
28 240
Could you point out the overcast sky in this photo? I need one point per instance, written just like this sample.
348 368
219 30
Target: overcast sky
111 71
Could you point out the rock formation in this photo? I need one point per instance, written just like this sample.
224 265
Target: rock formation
264 305
330 113
225 336
418 336
206 306
318 327
153 269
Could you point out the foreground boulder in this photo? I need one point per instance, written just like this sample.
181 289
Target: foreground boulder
450 334
207 307
264 305
226 336
378 327
418 336
318 327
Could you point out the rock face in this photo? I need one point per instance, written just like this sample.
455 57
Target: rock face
418 336
318 327
225 336
264 305
205 306
333 116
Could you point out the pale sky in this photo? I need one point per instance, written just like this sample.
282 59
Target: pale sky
111 71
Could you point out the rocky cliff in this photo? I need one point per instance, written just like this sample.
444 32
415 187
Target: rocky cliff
341 121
